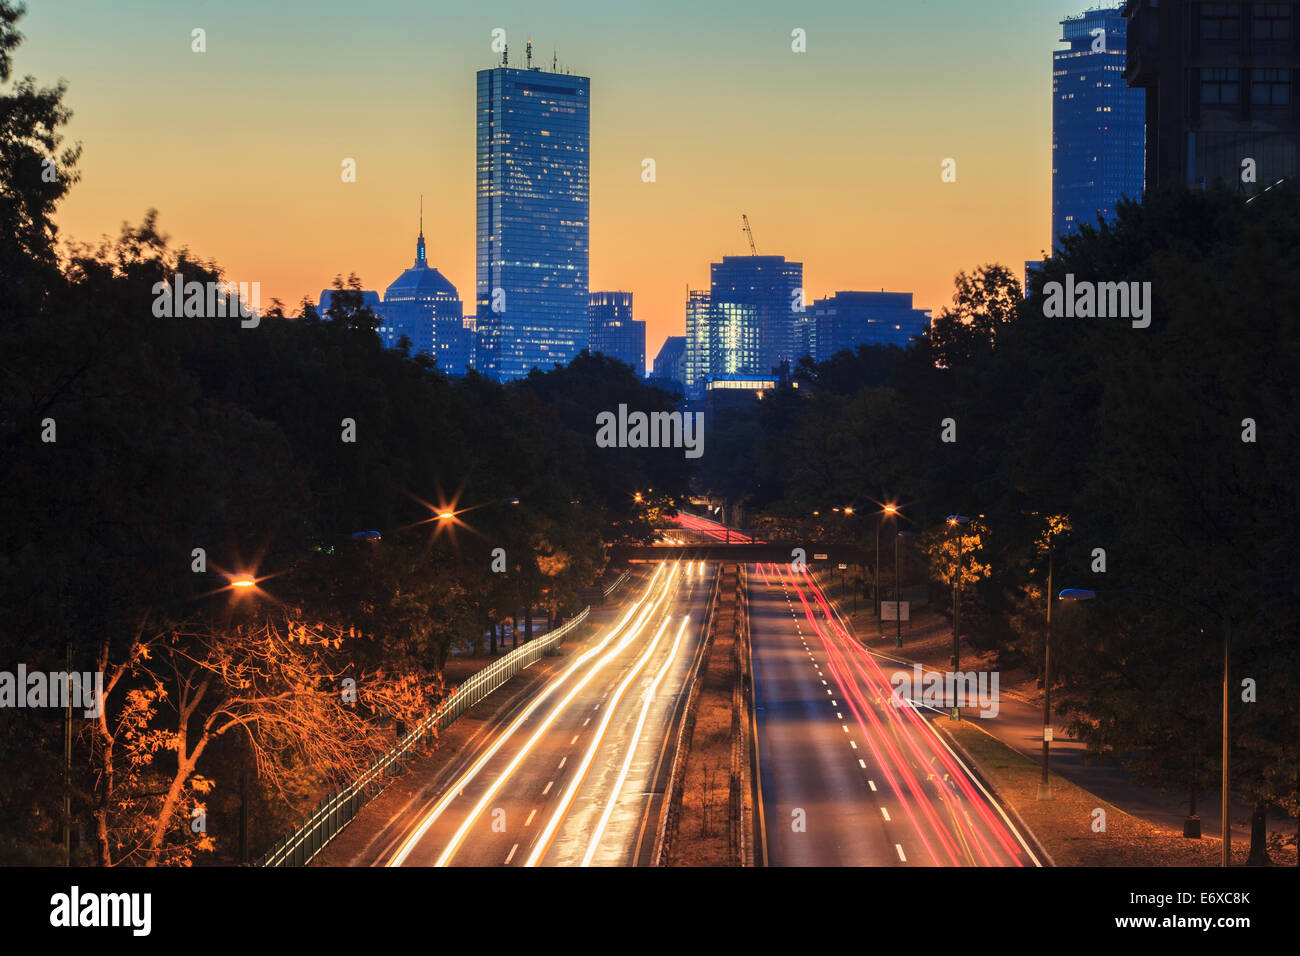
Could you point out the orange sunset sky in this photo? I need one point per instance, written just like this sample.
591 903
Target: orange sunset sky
833 153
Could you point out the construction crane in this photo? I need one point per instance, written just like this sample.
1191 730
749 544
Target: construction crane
749 234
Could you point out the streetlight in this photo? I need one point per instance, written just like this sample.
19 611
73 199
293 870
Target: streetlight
1086 594
955 521
890 510
898 604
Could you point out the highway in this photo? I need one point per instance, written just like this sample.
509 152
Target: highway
573 778
848 777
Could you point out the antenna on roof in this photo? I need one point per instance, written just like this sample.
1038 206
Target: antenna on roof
529 49
421 213
505 54
553 61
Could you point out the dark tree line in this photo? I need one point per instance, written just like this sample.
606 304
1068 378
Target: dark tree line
146 456
1173 448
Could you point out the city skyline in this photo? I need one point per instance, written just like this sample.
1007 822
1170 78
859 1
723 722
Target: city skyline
860 202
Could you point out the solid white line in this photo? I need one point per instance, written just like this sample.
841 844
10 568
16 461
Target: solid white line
899 848
548 788
636 740
533 813
511 855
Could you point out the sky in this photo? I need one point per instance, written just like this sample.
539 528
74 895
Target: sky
835 153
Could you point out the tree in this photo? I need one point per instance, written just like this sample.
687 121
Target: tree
273 677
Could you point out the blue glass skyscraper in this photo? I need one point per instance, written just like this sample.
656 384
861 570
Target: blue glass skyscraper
533 202
1098 123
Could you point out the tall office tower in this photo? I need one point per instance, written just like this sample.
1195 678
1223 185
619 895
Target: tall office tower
769 284
533 199
670 363
612 331
1098 123
1220 82
849 319
722 339
422 305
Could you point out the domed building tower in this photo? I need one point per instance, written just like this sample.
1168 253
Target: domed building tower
422 305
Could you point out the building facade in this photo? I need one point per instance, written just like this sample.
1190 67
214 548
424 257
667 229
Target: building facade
722 339
773 288
670 363
1220 82
849 319
1098 123
533 204
425 307
613 331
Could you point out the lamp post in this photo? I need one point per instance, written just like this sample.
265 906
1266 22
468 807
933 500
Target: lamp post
954 522
1085 594
1045 784
898 604
890 510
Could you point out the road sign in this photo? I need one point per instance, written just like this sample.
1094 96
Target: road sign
889 610
819 557
844 567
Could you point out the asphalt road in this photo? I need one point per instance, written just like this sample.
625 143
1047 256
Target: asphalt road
849 777
572 779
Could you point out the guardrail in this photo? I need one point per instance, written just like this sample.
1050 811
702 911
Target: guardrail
615 586
337 811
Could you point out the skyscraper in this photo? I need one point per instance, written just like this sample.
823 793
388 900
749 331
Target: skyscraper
424 306
612 331
722 339
533 200
1220 82
1098 123
670 363
769 284
849 319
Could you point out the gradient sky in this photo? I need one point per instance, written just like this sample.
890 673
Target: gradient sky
834 153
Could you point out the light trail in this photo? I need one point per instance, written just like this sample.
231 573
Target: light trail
954 788
631 750
566 800
459 836
400 856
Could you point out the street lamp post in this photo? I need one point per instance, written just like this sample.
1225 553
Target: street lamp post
1085 594
898 603
890 510
954 522
1045 784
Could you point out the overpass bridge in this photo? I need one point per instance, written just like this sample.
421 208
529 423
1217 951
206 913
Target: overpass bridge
743 546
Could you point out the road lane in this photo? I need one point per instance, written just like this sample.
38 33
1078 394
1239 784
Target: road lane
566 781
876 785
